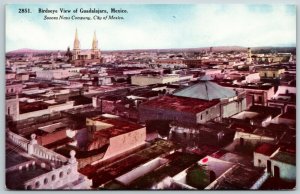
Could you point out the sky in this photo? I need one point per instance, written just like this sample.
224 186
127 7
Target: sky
154 26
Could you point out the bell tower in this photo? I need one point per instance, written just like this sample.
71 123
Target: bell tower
95 50
76 47
249 56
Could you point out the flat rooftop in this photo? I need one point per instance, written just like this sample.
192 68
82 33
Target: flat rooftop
181 104
120 126
249 86
13 157
16 178
265 110
239 178
289 115
266 149
31 107
243 127
103 174
177 162
285 157
267 132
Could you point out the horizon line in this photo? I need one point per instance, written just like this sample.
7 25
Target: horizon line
278 46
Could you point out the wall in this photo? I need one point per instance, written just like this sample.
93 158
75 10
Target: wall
149 80
10 76
253 77
209 114
61 176
262 158
22 77
252 138
125 142
14 89
270 73
283 89
233 107
141 170
52 137
287 171
151 113
65 177
51 109
52 74
12 107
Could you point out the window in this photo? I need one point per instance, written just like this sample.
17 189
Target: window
259 161
53 177
61 174
8 111
273 74
207 112
45 181
37 184
69 171
201 117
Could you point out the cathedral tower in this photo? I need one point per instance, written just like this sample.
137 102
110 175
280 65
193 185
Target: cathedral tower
76 47
95 50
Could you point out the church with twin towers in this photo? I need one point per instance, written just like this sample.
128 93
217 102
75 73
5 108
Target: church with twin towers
85 57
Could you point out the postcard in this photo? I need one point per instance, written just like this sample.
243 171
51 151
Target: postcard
150 96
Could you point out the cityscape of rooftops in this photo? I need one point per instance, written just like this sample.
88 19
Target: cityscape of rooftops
171 97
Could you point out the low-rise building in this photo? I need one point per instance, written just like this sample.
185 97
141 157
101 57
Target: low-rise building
181 109
32 166
14 88
255 94
280 163
106 137
144 80
53 74
270 73
19 110
283 165
103 174
285 98
240 177
231 102
213 167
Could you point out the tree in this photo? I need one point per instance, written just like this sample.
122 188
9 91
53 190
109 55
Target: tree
198 176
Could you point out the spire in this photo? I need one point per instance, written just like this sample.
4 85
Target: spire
95 39
76 35
76 41
95 42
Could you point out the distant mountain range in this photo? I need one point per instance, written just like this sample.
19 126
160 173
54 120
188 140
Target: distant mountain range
217 48
27 51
